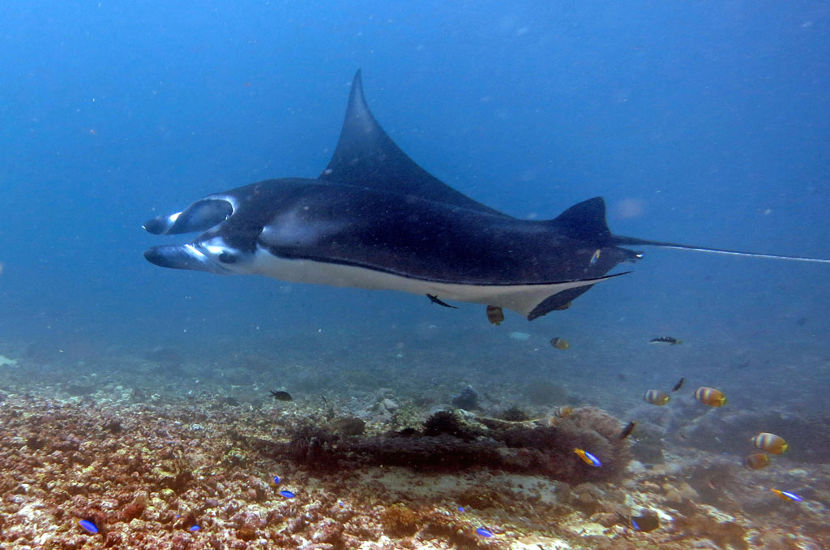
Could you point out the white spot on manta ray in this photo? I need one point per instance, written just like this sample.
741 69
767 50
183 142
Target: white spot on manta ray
195 252
215 249
292 229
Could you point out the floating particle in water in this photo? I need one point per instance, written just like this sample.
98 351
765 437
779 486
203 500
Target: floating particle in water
194 528
287 494
88 526
484 532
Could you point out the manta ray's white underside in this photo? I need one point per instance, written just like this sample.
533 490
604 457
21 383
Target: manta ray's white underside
521 298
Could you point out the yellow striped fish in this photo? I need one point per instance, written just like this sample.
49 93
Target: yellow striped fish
710 396
770 443
656 397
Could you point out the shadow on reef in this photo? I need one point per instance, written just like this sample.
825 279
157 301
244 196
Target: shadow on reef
449 441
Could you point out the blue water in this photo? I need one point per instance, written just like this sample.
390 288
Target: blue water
699 122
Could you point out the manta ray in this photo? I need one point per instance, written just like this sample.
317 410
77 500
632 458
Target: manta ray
375 219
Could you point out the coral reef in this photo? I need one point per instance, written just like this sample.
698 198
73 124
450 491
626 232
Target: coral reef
467 399
147 474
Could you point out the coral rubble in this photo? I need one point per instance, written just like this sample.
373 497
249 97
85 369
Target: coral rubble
184 474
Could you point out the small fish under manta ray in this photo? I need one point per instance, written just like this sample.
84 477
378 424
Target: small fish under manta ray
376 220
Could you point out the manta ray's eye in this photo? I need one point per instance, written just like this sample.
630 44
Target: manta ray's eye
227 257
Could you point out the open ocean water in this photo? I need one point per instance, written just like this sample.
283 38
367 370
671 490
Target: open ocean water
138 399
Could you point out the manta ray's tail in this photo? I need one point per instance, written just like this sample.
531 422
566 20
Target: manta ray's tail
646 242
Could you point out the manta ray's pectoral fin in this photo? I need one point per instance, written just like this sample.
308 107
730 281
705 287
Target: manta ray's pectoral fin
367 157
199 216
530 300
436 300
561 299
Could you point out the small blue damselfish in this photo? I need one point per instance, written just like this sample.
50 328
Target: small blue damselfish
484 532
88 526
287 494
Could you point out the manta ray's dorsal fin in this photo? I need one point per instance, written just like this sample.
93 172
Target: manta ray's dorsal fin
367 157
585 221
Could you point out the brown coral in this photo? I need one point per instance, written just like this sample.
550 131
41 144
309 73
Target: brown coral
399 521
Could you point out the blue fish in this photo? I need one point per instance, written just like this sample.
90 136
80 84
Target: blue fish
286 493
588 458
88 526
787 495
484 532
194 528
461 509
276 480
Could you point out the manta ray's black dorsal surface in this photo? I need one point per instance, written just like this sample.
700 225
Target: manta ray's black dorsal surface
375 219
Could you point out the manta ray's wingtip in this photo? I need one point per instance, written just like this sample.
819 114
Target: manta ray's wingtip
357 86
357 101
